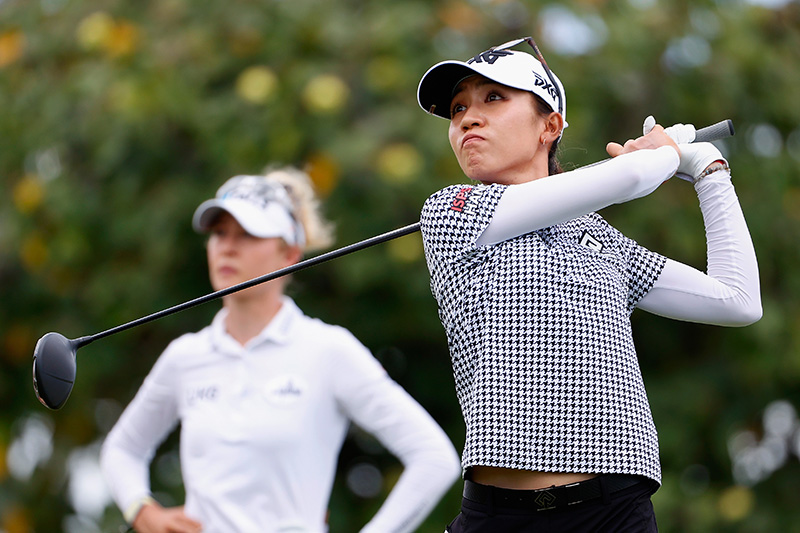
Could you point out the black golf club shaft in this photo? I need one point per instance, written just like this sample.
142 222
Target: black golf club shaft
54 358
333 254
716 131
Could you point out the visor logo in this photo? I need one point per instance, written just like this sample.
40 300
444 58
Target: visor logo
256 190
489 56
260 198
545 85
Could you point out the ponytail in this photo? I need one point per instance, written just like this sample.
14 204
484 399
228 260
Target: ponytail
553 165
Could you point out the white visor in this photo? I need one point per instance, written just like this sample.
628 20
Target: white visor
262 207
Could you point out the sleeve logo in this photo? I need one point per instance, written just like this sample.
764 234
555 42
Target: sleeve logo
460 200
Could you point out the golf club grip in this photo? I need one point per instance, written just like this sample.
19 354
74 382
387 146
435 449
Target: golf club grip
714 132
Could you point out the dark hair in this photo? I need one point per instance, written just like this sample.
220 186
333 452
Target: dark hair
553 165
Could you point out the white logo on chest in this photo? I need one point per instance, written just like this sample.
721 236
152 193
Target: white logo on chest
591 242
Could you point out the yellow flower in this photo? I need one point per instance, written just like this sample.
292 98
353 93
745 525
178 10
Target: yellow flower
325 93
12 43
256 84
735 503
99 31
460 16
384 73
407 249
122 40
16 347
34 252
28 194
324 172
16 519
399 163
94 30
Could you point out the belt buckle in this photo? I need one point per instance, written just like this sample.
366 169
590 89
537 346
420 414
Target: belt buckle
545 500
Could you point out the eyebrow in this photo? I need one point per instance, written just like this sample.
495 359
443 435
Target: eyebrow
482 80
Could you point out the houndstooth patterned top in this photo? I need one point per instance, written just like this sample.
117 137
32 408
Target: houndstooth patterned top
540 338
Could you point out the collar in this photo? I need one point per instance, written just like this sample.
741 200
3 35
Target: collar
278 331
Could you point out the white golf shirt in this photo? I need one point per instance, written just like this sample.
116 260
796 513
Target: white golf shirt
262 426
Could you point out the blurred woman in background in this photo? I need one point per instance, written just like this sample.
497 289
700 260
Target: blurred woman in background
264 395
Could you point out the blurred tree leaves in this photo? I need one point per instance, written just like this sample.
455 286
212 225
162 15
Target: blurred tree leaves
119 118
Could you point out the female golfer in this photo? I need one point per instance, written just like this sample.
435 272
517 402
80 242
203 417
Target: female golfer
264 394
535 291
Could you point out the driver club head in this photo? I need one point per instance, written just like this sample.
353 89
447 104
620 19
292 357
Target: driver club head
54 368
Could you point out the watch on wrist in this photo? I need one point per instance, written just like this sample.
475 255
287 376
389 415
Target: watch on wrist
716 166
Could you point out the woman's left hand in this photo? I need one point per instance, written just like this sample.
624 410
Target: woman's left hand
656 138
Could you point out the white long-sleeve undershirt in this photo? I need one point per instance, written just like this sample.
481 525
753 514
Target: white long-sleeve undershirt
728 294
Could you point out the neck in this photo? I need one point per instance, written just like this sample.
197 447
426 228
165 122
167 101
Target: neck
540 166
247 317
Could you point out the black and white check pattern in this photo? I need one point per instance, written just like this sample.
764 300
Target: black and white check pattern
540 338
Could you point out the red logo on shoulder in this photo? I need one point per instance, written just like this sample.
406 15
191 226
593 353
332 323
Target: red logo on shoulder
460 201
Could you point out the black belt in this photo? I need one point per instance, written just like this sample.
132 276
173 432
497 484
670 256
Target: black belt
549 498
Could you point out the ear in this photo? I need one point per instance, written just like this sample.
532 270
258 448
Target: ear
553 125
293 254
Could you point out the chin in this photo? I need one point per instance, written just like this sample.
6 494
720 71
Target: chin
473 173
480 173
482 177
220 284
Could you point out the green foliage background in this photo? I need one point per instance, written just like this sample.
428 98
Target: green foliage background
118 118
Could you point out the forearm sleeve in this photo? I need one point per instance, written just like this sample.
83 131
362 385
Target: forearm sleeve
729 294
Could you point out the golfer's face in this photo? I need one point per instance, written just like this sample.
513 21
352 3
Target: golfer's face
493 131
235 256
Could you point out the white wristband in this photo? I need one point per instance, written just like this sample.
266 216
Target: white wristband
133 509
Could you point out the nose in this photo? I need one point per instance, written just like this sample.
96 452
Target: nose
471 117
225 243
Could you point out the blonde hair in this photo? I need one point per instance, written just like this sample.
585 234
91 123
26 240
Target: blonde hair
307 207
